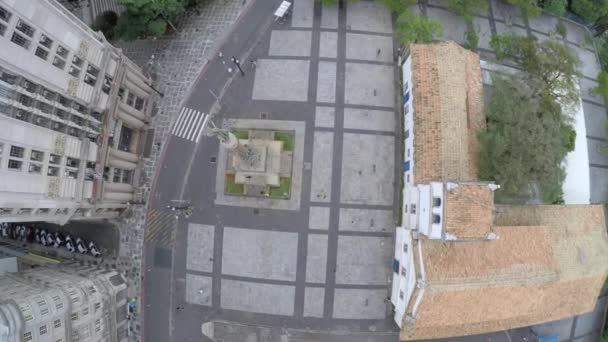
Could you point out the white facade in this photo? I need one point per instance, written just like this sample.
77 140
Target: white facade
72 114
60 304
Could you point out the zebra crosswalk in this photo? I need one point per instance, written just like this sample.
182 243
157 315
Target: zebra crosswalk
190 124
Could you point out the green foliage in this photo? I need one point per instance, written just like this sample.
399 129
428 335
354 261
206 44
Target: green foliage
590 10
570 138
524 143
528 7
105 23
555 7
417 29
398 6
602 86
603 54
471 39
283 190
550 65
334 2
241 134
467 8
561 29
287 139
147 17
230 187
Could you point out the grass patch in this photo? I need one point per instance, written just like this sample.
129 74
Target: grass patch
241 134
283 190
287 139
230 187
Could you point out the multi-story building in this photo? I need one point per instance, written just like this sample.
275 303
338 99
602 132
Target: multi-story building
63 303
464 265
73 110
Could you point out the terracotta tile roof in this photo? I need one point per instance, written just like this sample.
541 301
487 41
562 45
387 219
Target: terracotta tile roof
469 211
448 111
548 263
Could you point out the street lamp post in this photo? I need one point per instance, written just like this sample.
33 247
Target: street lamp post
238 64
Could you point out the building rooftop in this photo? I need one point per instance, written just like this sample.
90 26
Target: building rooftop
548 263
448 107
469 211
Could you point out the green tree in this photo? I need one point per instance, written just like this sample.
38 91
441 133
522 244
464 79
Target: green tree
555 7
524 144
417 29
105 23
529 7
550 65
147 17
467 8
590 10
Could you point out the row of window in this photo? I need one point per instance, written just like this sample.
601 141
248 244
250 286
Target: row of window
18 158
23 36
436 217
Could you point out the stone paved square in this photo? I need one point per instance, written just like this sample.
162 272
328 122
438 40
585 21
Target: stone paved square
198 289
599 192
359 304
369 85
453 24
366 220
575 33
328 46
200 247
322 158
318 218
368 16
329 17
325 116
482 25
281 80
290 43
543 23
259 253
314 302
255 297
595 120
316 258
596 156
590 65
587 92
303 13
366 46
367 119
363 260
326 82
502 29
367 169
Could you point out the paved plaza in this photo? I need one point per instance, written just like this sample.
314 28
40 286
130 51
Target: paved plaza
329 257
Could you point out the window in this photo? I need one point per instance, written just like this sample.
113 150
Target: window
26 100
42 53
407 177
85 311
77 61
407 133
80 108
74 71
72 162
17 151
121 93
5 15
62 52
72 174
139 103
75 316
41 302
27 336
92 70
405 248
64 101
131 99
62 114
57 323
45 107
97 306
126 176
52 171
403 271
42 330
408 152
413 209
54 159
405 208
88 79
436 219
107 84
59 63
92 290
8 78
25 28
35 168
2 29
27 312
30 86
20 40
401 295
49 95
46 41
436 202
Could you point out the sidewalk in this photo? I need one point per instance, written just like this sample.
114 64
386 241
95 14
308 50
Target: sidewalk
174 62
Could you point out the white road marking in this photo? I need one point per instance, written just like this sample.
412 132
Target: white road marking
190 124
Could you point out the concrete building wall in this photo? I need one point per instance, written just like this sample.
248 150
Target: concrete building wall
67 99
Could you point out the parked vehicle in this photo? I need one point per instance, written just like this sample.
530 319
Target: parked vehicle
80 246
4 230
69 244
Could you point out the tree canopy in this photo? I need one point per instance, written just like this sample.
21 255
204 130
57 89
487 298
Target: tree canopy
147 17
467 8
524 144
529 7
412 28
